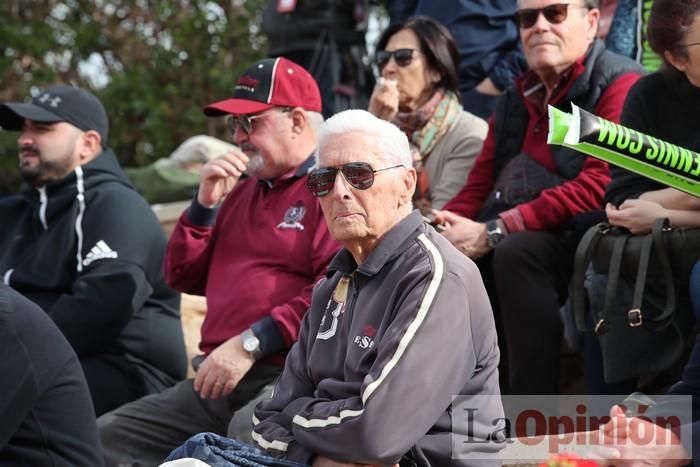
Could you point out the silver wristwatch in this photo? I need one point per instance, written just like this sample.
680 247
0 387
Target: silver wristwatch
494 233
251 344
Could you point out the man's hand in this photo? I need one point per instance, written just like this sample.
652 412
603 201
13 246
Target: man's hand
636 215
326 462
219 176
637 442
467 236
384 102
223 369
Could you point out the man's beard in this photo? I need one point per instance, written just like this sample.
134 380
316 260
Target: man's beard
45 171
256 164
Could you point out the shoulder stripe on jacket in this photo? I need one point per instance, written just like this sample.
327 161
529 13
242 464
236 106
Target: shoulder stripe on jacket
403 344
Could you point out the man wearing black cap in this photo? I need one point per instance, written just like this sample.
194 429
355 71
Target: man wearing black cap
71 248
254 247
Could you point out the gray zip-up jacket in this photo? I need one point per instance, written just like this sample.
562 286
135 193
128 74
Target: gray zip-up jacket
373 374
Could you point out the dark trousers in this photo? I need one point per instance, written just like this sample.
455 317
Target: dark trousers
112 381
144 432
527 277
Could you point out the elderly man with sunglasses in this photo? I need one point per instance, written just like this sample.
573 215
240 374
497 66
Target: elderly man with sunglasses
525 203
254 247
400 324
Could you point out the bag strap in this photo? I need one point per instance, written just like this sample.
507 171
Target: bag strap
611 288
662 225
634 314
656 240
582 259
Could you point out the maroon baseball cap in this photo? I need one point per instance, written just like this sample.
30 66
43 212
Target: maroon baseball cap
267 83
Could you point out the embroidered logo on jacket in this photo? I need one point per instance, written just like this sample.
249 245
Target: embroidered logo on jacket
100 251
366 341
293 216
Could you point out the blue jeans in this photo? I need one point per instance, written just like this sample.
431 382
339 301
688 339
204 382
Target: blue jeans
219 451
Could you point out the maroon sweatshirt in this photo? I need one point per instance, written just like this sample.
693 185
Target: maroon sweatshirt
256 260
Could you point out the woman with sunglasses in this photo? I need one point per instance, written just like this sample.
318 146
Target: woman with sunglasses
418 91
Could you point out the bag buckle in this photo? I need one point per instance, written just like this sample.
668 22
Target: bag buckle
634 317
604 228
601 327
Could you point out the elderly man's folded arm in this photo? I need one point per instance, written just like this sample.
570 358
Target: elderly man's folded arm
272 423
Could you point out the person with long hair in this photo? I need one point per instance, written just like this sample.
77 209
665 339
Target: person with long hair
419 92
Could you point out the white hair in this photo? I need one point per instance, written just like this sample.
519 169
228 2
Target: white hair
315 119
391 143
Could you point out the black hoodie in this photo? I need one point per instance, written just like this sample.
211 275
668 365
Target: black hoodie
89 250
46 412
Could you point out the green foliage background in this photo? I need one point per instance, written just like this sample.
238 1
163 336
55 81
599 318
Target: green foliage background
158 63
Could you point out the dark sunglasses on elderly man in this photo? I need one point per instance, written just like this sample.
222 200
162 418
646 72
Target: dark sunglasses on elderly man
402 57
360 175
555 14
245 122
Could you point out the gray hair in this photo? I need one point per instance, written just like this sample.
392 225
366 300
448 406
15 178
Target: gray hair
391 144
315 120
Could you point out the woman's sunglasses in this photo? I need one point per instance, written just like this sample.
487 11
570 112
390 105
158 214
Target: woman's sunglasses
359 175
402 57
245 122
555 14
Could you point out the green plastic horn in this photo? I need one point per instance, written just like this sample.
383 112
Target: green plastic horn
645 155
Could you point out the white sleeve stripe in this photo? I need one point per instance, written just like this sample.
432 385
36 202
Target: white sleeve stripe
400 349
333 420
418 320
255 420
265 444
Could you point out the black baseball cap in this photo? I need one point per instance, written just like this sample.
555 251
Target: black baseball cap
59 103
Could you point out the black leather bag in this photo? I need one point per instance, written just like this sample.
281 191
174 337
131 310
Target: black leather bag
520 181
643 318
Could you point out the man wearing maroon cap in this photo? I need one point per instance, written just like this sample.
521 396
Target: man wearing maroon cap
254 247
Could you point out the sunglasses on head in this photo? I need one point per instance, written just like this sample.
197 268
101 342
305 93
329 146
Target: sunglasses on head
402 57
555 14
245 122
360 175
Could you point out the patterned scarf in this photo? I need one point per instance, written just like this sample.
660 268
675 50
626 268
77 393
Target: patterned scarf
424 128
427 124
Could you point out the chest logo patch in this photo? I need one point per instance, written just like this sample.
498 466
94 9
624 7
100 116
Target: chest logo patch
366 340
293 216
